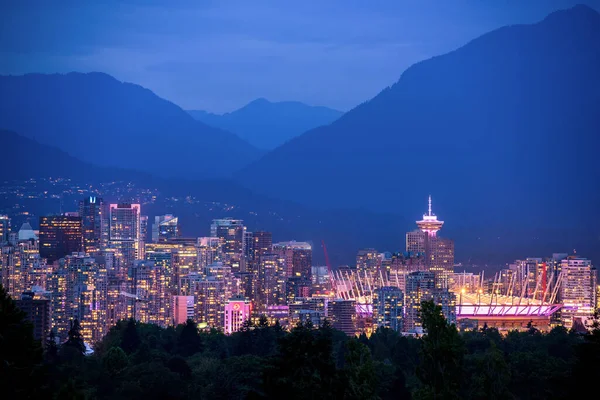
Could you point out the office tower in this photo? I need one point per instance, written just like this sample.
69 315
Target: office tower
91 211
4 228
342 314
388 308
271 282
298 258
60 235
182 309
262 243
26 232
420 286
79 291
37 311
237 310
439 252
165 227
368 263
125 233
231 232
577 290
209 251
148 283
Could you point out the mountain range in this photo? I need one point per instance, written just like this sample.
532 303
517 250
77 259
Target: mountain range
266 124
107 122
503 132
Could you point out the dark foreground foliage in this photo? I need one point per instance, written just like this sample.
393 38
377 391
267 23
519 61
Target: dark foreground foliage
141 361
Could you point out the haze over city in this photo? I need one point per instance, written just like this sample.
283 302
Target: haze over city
264 199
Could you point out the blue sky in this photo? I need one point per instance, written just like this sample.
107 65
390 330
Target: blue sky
219 55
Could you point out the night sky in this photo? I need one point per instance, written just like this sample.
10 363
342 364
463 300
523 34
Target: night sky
219 55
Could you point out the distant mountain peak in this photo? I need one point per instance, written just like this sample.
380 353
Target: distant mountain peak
267 124
579 12
85 114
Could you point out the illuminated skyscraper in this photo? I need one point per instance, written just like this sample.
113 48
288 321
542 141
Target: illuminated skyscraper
79 288
271 284
388 308
368 263
420 286
4 228
153 300
165 227
231 232
342 314
60 235
577 290
237 310
209 251
125 233
298 258
91 210
439 252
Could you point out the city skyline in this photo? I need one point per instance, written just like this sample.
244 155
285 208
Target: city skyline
207 200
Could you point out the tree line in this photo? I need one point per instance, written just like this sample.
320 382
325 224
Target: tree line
143 361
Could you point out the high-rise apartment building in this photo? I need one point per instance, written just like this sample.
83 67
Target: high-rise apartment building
420 286
60 235
4 229
342 314
577 290
79 291
37 311
125 233
165 227
148 282
209 251
91 211
297 256
231 232
388 308
270 286
368 264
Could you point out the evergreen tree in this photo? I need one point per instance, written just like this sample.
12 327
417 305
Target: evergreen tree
189 341
440 371
51 351
20 353
131 339
75 338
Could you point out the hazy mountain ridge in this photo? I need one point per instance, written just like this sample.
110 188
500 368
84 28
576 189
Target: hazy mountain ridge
268 124
107 122
502 131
